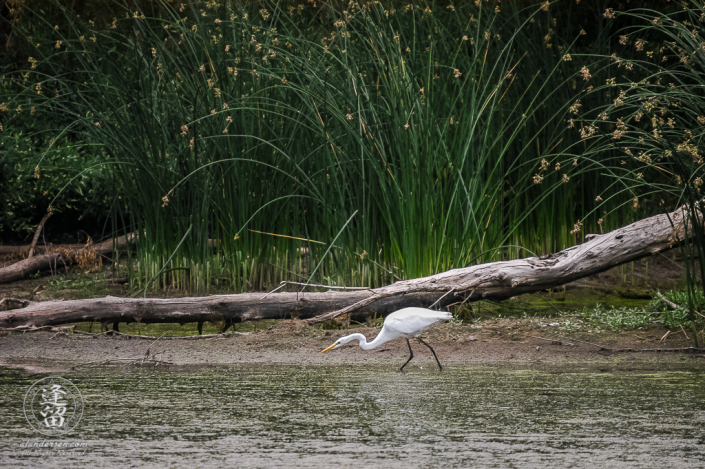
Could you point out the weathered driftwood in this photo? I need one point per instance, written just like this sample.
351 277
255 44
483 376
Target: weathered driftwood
57 259
22 251
217 308
496 280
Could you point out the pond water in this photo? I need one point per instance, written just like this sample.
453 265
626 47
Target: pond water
290 416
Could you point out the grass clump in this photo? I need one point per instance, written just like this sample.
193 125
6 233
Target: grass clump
615 319
681 316
77 286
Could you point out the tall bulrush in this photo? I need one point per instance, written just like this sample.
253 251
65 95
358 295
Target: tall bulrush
242 140
653 122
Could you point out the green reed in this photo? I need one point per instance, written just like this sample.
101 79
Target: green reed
248 135
653 123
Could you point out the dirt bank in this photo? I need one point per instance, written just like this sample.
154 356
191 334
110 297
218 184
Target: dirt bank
507 342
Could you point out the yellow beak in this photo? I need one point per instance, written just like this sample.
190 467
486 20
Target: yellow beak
330 348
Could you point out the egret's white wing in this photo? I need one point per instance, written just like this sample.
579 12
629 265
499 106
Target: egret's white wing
412 321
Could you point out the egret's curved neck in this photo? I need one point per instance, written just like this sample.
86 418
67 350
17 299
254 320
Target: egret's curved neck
363 340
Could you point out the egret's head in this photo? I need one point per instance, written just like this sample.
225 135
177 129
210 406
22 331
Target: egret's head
335 345
343 341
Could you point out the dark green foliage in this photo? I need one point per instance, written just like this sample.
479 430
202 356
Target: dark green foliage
35 178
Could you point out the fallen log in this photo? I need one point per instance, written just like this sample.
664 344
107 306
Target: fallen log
23 251
496 281
58 259
218 308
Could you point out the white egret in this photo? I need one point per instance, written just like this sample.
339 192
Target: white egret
407 322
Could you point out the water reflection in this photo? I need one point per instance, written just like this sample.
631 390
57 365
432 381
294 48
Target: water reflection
331 416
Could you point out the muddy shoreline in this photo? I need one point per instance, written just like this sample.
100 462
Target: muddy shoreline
513 343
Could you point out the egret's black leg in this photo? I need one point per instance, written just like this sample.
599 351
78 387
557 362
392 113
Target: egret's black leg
410 357
434 353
